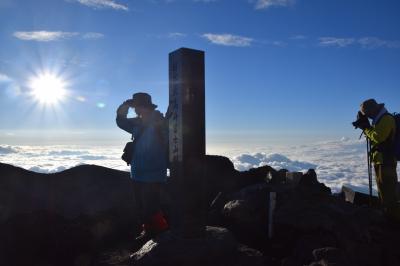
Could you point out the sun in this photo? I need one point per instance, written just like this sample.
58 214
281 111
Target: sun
48 88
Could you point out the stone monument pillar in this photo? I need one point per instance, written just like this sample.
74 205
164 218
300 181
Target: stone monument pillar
187 141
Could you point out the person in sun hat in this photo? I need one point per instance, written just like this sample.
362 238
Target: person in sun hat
149 131
381 133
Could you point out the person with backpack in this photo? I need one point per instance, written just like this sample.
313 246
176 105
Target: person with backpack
147 158
382 135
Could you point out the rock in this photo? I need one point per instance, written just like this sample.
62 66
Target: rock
254 176
330 256
358 198
309 178
293 178
215 213
279 177
247 256
55 218
82 190
306 244
240 211
310 188
220 176
247 213
43 238
218 247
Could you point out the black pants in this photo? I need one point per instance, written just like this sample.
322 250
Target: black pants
147 199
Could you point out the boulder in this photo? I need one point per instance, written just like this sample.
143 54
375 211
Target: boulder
246 214
310 185
220 176
255 176
330 256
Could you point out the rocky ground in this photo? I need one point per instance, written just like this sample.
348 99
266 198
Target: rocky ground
84 216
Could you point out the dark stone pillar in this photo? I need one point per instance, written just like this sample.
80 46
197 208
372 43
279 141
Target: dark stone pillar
187 141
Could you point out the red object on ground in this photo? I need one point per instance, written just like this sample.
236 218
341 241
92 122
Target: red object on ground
157 223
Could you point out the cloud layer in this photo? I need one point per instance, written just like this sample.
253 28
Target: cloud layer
50 159
275 160
336 162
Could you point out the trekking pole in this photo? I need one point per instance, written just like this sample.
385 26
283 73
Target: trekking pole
369 170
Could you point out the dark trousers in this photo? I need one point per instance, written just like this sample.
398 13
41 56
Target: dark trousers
386 180
147 199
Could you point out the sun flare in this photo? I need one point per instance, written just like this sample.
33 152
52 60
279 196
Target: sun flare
48 88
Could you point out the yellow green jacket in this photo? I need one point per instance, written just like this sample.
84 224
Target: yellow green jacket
382 135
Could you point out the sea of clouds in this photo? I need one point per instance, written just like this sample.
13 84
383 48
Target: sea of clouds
336 162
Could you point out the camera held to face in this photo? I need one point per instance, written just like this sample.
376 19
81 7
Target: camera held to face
362 121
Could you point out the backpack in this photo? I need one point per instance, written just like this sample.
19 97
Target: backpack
396 117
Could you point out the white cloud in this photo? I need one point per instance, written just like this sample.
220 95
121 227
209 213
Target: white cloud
336 162
298 37
338 42
46 169
92 157
275 160
50 159
10 86
263 4
228 39
176 35
7 150
92 35
102 4
44 36
365 42
279 43
48 36
4 78
373 42
66 152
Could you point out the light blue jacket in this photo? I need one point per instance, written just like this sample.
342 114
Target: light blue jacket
149 163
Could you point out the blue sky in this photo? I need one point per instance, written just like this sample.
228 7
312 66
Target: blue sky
276 70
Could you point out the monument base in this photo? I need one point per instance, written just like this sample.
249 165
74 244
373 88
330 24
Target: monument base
217 247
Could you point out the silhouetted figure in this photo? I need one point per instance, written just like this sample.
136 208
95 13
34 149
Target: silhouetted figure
149 159
381 133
